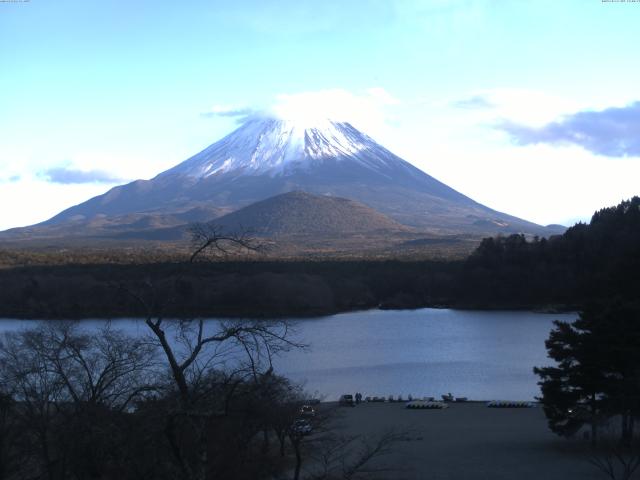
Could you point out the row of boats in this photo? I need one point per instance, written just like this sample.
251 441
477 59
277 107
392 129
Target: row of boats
445 398
431 404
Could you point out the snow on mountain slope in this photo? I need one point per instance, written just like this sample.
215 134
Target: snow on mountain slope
277 147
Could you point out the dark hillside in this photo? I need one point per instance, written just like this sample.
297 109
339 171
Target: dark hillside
304 213
589 261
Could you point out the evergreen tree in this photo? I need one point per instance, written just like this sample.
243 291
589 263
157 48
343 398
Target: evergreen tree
572 391
619 332
597 372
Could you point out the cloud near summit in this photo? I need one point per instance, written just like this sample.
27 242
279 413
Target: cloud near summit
367 109
240 113
612 132
66 175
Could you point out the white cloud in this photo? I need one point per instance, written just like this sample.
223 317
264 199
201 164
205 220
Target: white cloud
31 181
540 183
384 97
115 164
67 176
34 201
523 106
456 141
367 111
238 111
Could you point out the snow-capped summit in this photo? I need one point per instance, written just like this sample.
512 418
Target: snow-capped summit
273 146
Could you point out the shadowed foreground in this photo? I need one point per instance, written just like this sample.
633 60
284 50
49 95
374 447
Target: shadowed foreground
470 441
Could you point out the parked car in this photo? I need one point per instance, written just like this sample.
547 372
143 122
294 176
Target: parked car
302 427
347 400
307 411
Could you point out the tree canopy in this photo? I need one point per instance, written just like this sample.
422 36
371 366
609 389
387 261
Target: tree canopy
589 261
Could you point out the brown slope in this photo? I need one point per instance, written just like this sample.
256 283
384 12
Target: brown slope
145 225
302 213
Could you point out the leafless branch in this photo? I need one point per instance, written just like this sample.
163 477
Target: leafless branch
211 237
349 457
616 460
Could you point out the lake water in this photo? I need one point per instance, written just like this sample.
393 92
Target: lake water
478 354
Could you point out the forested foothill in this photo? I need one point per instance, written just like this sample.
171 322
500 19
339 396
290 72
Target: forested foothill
223 288
589 261
599 259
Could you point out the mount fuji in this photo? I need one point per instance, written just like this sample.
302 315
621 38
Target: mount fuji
268 156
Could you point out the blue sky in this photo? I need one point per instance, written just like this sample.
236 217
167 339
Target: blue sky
526 106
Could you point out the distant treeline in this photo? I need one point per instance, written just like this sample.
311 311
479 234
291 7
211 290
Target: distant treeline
600 259
223 288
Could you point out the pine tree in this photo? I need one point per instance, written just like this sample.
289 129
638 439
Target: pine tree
597 372
572 391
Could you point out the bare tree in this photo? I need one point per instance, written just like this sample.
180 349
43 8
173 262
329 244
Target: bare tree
105 367
8 437
193 348
348 457
28 378
212 238
617 459
68 385
283 409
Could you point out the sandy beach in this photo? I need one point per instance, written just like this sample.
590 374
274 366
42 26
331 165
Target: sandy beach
470 441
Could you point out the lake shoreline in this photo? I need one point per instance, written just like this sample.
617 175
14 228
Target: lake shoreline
542 309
